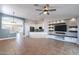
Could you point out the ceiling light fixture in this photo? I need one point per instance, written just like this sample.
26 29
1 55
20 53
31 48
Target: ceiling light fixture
45 12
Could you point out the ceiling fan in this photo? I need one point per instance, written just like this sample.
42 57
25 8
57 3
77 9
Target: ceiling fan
46 9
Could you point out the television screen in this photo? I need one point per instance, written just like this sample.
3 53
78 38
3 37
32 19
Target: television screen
61 28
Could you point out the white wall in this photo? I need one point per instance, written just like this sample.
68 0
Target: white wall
78 29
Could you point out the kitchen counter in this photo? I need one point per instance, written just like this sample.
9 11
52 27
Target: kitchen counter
38 34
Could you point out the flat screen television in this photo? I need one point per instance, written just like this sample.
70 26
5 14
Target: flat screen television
61 28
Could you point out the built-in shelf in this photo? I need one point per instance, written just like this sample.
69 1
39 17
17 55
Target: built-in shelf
69 35
51 30
73 29
73 26
51 27
56 24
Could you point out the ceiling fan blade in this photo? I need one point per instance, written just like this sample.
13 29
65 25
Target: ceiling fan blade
41 13
47 13
52 10
39 10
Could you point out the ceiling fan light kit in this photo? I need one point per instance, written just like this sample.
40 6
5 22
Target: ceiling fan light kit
45 13
46 9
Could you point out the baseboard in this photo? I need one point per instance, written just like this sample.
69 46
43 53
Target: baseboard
7 38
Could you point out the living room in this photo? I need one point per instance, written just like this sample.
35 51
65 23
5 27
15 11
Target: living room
39 29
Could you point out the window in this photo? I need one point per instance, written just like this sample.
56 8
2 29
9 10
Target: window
13 25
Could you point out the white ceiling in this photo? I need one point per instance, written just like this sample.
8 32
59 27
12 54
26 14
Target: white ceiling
28 11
